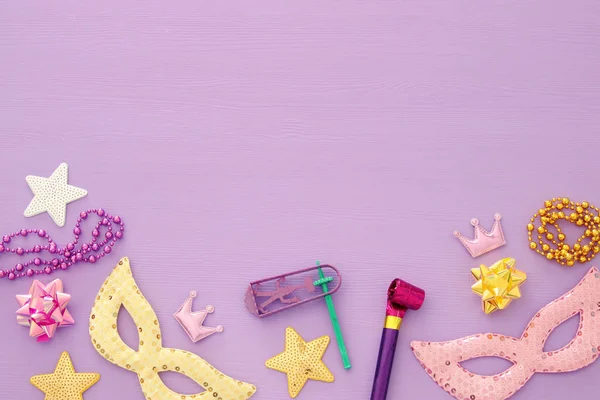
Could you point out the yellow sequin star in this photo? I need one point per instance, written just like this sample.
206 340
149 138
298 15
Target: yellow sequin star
498 285
301 361
64 383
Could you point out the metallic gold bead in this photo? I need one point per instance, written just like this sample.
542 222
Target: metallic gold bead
579 209
533 245
585 204
530 227
561 236
573 217
597 220
541 229
565 247
559 206
554 215
542 211
588 232
570 263
569 256
545 247
576 247
549 236
582 259
565 200
595 232
587 218
548 203
551 221
549 256
561 215
585 249
579 222
596 249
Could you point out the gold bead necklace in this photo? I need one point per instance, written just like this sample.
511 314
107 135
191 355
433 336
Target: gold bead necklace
553 246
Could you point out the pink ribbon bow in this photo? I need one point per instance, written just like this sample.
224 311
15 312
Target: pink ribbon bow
44 309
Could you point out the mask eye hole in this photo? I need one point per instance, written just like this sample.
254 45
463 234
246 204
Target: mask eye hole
486 366
563 334
127 329
184 384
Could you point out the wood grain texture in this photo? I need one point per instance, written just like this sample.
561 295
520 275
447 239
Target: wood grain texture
240 140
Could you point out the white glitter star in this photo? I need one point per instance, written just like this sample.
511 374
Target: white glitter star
52 194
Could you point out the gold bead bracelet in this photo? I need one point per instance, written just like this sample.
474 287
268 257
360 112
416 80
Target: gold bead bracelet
552 245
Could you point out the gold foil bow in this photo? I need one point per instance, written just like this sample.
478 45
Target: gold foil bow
498 285
120 289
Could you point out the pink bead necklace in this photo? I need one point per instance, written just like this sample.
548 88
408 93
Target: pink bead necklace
69 255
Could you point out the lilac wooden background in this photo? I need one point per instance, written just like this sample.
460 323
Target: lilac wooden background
242 139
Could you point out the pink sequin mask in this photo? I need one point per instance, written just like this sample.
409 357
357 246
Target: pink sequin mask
442 360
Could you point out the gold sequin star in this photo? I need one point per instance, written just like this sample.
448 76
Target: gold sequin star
498 285
64 383
301 361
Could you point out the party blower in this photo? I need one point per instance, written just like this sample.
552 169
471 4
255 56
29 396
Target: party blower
402 296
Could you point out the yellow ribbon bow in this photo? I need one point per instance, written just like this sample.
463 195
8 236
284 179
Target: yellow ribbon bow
498 284
120 289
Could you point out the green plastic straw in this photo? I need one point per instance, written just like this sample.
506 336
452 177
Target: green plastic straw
333 316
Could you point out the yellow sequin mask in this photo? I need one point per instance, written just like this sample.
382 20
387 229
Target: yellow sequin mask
120 289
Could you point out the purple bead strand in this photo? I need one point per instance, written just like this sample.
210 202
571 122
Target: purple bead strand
66 257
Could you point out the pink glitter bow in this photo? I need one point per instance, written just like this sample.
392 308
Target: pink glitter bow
442 360
44 309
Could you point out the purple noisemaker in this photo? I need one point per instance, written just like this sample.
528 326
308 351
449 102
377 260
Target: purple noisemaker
401 297
282 294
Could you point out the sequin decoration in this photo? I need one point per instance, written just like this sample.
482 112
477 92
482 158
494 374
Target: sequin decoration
52 194
64 383
120 289
442 360
301 361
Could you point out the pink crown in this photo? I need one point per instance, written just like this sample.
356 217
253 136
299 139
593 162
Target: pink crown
483 241
191 322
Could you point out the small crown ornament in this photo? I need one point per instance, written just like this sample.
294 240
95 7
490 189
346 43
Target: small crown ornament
191 322
483 241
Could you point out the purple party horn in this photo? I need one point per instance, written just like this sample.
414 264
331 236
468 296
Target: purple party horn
402 296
